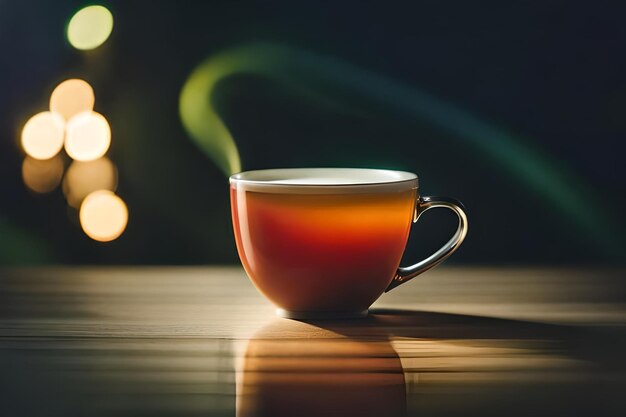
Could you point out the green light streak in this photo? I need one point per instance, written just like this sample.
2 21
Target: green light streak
198 114
554 184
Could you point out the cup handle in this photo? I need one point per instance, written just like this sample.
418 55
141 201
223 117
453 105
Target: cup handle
424 204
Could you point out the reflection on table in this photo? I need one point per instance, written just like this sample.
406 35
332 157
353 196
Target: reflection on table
297 369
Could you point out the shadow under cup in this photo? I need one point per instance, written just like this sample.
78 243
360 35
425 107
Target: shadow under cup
321 242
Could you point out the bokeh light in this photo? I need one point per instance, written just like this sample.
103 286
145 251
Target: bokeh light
42 176
84 177
72 97
88 136
90 27
42 136
103 216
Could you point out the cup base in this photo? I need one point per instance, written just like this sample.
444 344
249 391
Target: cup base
320 315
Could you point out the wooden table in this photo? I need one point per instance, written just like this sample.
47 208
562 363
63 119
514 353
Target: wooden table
201 341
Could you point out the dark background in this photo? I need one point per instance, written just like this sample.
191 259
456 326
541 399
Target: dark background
549 73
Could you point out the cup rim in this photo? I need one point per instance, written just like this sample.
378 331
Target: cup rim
324 180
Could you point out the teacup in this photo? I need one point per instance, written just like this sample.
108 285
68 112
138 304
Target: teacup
327 242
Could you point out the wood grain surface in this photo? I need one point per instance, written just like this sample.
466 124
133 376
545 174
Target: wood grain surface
172 341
